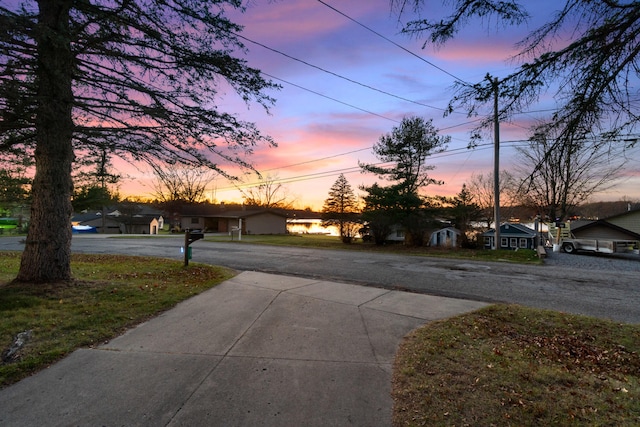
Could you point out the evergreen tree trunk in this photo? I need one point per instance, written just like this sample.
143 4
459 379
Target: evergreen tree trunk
47 253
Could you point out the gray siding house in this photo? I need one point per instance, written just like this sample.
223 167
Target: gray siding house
629 221
603 229
262 221
512 236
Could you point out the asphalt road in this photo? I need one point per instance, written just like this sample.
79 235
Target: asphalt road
601 293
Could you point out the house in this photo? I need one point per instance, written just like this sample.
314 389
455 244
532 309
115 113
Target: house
397 233
140 220
512 236
629 220
625 226
106 224
447 237
602 229
139 224
216 219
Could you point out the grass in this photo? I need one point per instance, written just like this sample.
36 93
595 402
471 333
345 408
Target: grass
510 365
109 295
523 256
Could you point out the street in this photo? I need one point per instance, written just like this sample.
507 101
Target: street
605 294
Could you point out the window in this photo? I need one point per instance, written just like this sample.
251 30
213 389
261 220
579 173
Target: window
195 220
487 241
513 242
523 243
503 242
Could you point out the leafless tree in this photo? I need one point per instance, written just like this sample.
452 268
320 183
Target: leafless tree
481 189
558 175
268 194
175 182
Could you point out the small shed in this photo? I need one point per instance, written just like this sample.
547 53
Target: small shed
445 237
156 225
512 236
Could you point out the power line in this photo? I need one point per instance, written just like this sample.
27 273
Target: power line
338 75
353 169
330 98
351 152
395 44
318 160
298 178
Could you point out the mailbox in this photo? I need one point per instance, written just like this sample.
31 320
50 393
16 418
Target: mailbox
189 238
194 236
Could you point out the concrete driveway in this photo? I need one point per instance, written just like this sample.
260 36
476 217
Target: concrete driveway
259 349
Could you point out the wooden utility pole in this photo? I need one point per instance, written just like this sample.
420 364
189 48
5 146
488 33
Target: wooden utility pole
496 163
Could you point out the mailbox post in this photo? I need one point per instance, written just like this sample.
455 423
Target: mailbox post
189 238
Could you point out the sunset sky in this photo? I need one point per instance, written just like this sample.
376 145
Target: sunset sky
343 86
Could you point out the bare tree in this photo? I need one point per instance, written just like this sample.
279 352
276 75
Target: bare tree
481 189
175 182
269 194
559 175
587 51
140 77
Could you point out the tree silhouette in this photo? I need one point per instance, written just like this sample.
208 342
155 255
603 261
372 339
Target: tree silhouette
341 209
406 148
463 211
180 183
138 77
587 51
269 194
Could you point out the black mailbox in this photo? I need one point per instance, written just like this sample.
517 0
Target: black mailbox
194 236
189 238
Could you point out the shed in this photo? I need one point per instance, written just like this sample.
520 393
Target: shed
447 237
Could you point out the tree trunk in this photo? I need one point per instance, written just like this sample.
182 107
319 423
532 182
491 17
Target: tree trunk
47 254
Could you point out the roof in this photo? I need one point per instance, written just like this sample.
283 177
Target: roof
605 224
138 218
87 216
203 213
512 230
249 213
453 229
629 212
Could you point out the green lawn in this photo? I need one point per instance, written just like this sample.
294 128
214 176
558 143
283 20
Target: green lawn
109 295
333 242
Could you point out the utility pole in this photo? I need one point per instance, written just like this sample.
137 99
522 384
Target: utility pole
496 163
